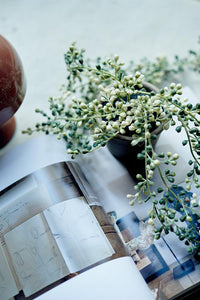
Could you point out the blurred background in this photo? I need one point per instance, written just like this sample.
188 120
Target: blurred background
41 32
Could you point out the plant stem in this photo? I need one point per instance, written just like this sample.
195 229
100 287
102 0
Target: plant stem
189 140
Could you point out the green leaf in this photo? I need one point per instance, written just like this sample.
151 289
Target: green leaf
159 190
178 128
190 162
189 174
98 67
140 156
184 143
170 179
182 218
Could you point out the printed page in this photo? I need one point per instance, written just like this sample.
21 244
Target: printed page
17 190
35 255
117 279
20 209
8 287
78 234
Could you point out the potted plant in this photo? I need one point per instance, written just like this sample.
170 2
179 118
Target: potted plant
102 102
121 145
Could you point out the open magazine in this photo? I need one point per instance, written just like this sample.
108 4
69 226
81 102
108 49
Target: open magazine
40 186
53 228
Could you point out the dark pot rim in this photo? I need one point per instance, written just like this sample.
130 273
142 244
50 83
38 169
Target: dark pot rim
150 86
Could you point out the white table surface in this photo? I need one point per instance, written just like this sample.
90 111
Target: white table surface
41 31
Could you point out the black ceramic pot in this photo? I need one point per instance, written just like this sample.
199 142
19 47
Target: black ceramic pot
121 147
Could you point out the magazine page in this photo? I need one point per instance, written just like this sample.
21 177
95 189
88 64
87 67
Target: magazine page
8 286
35 255
35 192
78 235
117 279
19 204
